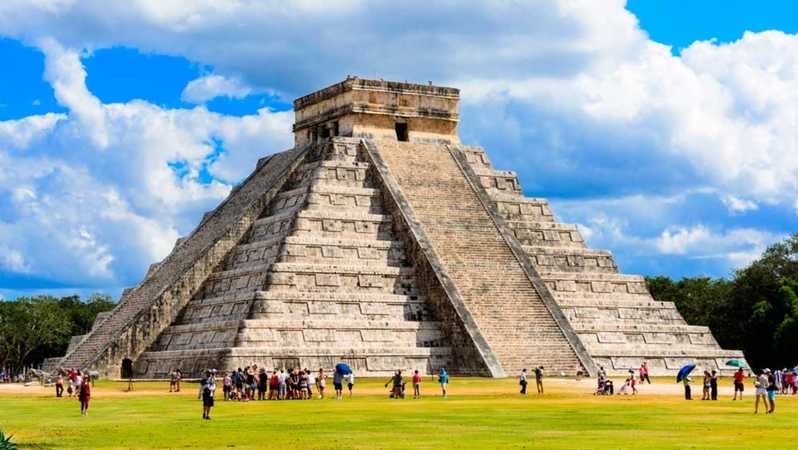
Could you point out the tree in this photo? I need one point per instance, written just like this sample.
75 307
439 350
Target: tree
34 328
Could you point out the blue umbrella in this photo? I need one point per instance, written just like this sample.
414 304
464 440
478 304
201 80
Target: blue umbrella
684 371
343 368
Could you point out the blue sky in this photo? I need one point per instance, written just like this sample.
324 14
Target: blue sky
666 130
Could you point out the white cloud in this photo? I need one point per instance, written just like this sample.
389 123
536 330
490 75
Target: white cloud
738 205
92 200
209 87
738 246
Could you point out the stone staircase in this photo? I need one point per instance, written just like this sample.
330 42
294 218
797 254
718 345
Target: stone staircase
615 317
321 277
518 327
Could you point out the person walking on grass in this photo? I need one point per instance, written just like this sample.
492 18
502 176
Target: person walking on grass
705 395
322 382
713 385
644 373
739 383
761 385
416 384
338 383
772 388
350 382
84 395
59 385
443 380
311 382
687 391
522 381
539 379
207 388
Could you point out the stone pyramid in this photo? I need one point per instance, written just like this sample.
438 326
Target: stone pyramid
381 241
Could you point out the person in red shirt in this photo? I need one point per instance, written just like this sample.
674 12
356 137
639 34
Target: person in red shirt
416 385
84 395
739 383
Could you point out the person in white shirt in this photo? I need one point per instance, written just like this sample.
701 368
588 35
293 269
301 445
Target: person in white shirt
522 381
350 381
311 382
761 385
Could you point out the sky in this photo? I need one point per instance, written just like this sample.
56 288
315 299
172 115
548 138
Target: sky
668 131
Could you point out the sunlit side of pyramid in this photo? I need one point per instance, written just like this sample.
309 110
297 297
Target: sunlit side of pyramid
380 240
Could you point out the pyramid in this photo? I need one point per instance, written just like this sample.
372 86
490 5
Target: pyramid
380 240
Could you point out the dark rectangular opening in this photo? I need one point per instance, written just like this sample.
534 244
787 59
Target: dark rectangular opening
334 128
401 132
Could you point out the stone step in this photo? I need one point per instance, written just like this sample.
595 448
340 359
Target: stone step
581 326
568 259
604 301
662 351
502 180
338 277
309 248
594 282
338 297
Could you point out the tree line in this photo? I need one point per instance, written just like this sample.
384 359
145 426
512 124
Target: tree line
755 311
35 328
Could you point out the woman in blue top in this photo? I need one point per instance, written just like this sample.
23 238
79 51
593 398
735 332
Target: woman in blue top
443 379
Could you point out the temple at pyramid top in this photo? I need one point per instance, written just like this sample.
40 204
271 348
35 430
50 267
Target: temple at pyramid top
378 109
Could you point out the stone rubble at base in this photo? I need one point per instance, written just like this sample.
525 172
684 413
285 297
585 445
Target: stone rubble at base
381 241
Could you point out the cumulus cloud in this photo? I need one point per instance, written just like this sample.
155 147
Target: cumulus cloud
739 246
93 197
738 205
209 87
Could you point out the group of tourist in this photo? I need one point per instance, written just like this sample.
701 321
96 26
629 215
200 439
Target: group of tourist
251 383
78 383
398 384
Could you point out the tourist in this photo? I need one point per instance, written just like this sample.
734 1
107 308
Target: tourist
274 386
522 381
207 388
632 381
282 385
227 385
416 384
311 382
397 385
350 382
772 388
178 378
172 380
539 379
321 381
443 380
713 385
59 385
249 380
705 395
72 377
238 382
778 375
644 373
293 384
303 385
739 385
338 382
761 385
786 381
687 393
84 395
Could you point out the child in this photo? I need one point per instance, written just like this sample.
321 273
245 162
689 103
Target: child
416 385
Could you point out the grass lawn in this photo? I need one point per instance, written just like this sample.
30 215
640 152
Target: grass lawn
479 413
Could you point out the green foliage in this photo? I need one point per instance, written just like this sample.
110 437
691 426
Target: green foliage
756 311
34 328
6 443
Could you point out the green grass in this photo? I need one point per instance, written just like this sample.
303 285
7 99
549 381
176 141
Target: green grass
479 413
